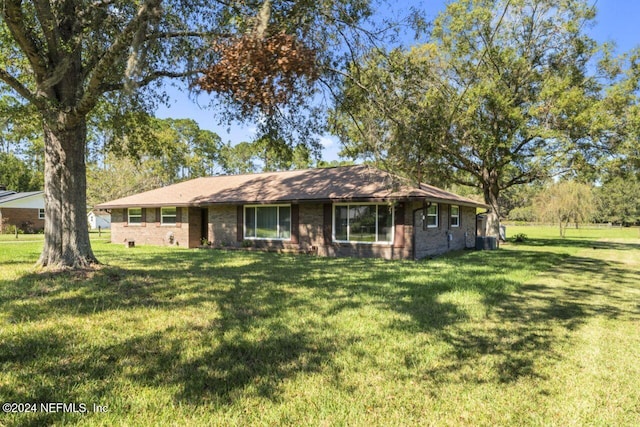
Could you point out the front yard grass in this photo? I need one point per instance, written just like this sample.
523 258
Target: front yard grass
544 332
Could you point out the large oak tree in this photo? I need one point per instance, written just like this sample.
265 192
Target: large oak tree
502 94
66 57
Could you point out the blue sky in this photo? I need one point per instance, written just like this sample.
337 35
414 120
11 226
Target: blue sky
617 21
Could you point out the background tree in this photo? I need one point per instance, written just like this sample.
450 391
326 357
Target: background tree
21 145
565 203
277 155
500 96
377 115
618 192
118 177
516 202
16 175
618 200
264 154
239 158
65 58
172 150
177 149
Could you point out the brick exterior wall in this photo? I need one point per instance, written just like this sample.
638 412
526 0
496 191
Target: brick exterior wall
310 226
151 231
224 222
222 226
22 218
435 241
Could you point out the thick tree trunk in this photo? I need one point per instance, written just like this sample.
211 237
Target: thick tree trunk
66 239
491 193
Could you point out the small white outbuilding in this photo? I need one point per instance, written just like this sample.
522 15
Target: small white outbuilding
102 220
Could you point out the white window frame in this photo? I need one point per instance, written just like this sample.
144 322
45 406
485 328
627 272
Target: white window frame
162 216
255 222
129 216
41 213
436 215
376 242
457 217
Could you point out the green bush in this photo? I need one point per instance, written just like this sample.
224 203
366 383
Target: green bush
11 229
519 238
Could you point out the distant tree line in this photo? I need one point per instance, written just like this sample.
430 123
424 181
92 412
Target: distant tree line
565 203
151 154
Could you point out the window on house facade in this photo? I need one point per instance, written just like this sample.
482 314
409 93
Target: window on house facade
134 216
168 216
267 222
363 223
431 218
40 213
455 216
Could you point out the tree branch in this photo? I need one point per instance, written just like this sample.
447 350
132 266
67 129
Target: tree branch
460 181
19 87
49 27
24 37
95 5
178 34
104 66
522 178
111 87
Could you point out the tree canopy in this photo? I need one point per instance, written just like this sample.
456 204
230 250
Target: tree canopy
565 203
70 59
502 94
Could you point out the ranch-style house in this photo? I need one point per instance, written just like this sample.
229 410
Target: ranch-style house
358 211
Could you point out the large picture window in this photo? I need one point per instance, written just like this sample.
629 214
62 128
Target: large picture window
134 216
168 216
365 223
267 222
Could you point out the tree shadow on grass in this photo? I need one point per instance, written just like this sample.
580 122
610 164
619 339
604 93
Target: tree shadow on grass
245 345
529 325
579 242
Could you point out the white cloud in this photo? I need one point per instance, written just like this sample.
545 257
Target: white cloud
327 141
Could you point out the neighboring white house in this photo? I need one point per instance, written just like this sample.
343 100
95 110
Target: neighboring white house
102 220
24 211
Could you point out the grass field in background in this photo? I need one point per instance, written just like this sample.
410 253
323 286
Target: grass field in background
581 233
543 332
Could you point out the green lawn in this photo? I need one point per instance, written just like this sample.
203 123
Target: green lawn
544 332
105 234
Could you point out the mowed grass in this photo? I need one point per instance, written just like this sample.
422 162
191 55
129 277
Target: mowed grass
546 332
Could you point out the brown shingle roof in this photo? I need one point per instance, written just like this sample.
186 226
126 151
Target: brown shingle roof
348 183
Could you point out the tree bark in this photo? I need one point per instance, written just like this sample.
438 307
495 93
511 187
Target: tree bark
491 191
66 243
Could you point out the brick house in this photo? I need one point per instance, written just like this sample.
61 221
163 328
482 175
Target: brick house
342 211
23 210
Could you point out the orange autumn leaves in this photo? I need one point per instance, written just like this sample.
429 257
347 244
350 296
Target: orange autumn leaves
261 72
